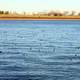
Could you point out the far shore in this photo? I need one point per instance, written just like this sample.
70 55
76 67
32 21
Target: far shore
23 17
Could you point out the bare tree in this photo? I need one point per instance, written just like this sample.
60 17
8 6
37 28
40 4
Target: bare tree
79 14
1 12
73 13
6 12
65 13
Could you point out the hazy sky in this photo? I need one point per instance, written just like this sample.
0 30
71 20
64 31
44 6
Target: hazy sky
39 5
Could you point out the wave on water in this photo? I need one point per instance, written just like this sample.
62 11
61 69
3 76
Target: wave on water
49 52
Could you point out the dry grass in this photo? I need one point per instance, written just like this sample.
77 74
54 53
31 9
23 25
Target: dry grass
25 17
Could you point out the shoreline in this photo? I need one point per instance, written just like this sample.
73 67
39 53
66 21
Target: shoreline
40 19
35 19
19 17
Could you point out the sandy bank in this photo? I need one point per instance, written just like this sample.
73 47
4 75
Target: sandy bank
23 17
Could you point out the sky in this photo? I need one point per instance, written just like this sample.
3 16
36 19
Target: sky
39 5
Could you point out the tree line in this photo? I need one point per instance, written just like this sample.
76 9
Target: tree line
4 12
51 13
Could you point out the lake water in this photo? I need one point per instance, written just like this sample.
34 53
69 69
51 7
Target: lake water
39 50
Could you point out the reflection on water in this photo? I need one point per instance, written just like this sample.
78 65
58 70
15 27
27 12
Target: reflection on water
43 51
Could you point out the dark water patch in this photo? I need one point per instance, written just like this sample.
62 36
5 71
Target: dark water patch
68 57
4 62
13 68
0 51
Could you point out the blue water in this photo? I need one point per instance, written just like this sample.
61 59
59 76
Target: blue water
39 50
